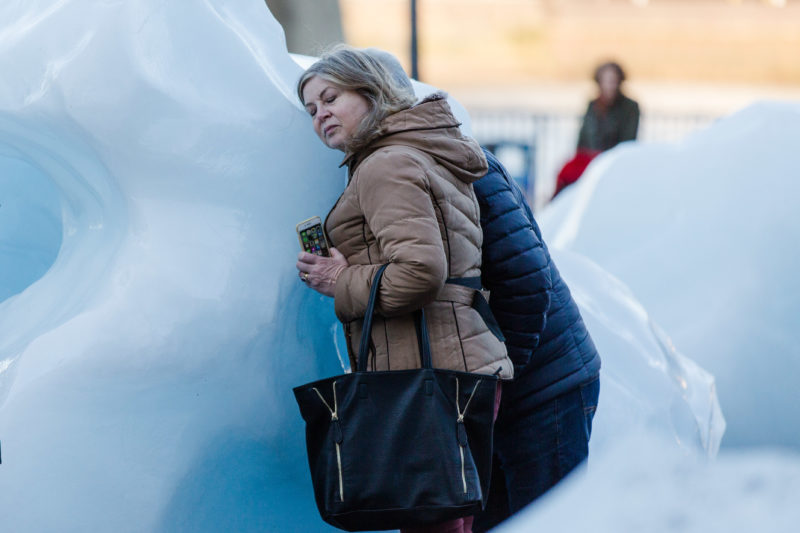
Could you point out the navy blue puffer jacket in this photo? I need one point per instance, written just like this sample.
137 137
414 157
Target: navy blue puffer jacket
545 335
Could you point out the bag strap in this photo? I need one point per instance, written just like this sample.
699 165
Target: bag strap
423 338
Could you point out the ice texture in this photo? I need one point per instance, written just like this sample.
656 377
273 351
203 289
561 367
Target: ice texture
645 484
705 234
149 347
155 161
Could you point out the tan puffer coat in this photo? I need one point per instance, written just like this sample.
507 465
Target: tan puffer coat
410 203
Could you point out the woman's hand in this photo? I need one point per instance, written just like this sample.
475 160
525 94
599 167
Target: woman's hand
320 273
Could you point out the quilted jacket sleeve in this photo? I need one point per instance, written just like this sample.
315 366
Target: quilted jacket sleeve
394 196
516 265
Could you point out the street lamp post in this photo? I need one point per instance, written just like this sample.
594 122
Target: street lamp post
414 61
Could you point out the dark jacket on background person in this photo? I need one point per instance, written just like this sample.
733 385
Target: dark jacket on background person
604 128
410 203
545 334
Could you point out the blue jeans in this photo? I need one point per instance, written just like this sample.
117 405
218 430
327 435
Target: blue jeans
534 450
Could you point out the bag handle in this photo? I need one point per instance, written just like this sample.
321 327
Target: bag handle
423 338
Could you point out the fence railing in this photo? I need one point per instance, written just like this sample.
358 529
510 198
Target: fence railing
534 146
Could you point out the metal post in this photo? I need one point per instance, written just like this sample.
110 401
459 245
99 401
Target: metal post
414 61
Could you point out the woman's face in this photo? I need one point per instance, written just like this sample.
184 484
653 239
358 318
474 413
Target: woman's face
609 82
336 113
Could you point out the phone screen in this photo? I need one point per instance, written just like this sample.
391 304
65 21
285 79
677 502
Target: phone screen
314 240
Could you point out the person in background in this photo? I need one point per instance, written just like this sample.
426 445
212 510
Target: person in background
545 421
409 202
610 119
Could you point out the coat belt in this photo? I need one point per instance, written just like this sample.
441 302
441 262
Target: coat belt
468 291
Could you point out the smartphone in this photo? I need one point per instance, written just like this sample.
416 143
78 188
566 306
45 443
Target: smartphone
312 238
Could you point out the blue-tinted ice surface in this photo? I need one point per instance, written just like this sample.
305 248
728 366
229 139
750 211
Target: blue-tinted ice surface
705 234
153 325
30 224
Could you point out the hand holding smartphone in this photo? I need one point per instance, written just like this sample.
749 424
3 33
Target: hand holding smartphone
312 237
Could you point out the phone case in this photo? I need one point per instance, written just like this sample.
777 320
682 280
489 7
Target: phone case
312 237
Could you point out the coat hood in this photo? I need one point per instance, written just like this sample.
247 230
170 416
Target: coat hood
430 127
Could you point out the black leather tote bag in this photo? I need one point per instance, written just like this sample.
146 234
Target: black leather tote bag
402 448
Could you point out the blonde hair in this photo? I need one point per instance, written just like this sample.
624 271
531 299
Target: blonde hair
356 70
